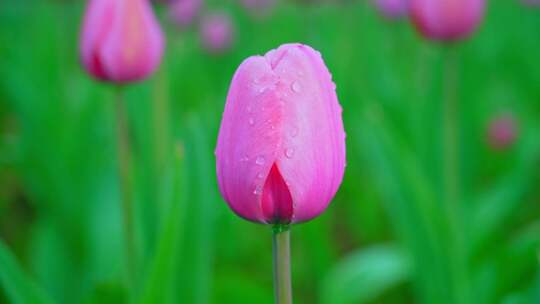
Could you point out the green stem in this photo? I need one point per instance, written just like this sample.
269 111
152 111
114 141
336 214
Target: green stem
451 175
282 264
125 181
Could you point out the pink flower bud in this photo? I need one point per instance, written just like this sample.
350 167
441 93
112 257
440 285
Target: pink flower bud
258 8
502 132
446 20
121 40
532 3
281 146
184 12
393 9
217 32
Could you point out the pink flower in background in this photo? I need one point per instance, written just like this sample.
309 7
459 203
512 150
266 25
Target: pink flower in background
502 132
393 9
531 2
258 7
281 146
121 40
446 20
217 32
184 12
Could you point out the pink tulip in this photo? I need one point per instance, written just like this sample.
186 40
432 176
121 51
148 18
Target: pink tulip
531 2
121 40
446 20
184 12
393 9
502 132
217 32
281 146
258 7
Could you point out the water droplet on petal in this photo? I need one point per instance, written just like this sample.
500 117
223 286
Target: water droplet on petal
257 190
256 80
259 160
261 90
260 175
251 121
289 152
244 158
296 87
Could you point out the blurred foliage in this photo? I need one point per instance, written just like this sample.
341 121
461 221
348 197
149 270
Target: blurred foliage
387 237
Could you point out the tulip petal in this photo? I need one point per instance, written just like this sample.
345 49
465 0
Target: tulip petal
312 155
248 137
277 203
97 22
134 46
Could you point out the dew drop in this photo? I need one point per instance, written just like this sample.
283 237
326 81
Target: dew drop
261 90
289 152
259 160
296 87
251 121
256 80
257 190
260 175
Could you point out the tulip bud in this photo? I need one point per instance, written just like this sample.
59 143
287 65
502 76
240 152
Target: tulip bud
184 12
217 32
258 8
502 132
121 40
393 9
532 3
281 146
446 20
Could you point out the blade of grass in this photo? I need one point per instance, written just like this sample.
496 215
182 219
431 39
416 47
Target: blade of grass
161 274
19 288
365 275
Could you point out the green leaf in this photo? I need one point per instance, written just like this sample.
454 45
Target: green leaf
19 288
162 268
365 275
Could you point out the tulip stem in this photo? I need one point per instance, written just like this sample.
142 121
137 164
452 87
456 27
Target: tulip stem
125 182
451 174
282 264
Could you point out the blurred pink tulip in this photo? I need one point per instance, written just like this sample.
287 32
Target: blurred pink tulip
217 32
281 146
531 2
502 132
184 12
446 20
121 40
258 7
393 9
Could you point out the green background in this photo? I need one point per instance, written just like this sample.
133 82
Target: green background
387 237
